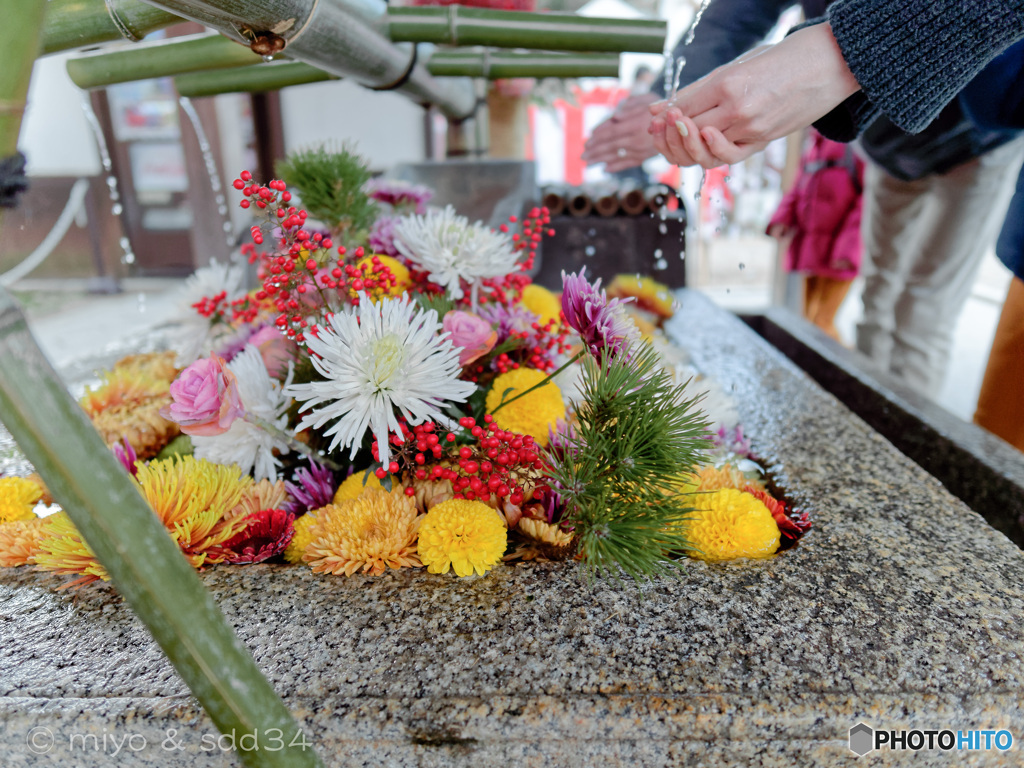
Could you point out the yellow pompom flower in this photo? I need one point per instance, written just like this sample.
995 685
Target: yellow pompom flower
352 487
542 302
466 536
368 534
17 498
533 414
730 524
300 539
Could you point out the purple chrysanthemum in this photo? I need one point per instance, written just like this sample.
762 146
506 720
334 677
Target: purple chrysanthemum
601 322
311 488
733 441
382 236
509 319
126 455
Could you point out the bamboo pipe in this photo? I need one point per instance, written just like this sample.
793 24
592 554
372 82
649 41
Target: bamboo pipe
632 199
494 65
555 200
579 203
81 23
345 38
461 25
606 200
255 79
657 195
159 58
19 37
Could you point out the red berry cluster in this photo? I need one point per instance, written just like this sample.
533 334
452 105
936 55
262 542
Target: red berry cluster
492 463
208 306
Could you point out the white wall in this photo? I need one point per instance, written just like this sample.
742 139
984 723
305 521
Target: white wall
386 128
55 136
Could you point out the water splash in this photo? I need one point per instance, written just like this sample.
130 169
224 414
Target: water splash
127 255
696 20
210 164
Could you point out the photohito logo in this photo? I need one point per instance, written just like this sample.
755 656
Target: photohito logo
864 739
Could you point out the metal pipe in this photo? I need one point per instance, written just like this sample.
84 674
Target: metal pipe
493 65
461 25
256 79
73 24
159 58
346 38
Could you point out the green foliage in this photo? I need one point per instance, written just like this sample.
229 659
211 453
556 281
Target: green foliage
637 432
330 182
439 302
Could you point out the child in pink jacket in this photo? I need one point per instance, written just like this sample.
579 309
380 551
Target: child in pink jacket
821 213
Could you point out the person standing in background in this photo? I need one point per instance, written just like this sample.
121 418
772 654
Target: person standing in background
820 216
933 201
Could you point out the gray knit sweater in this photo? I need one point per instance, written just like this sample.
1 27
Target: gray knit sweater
911 57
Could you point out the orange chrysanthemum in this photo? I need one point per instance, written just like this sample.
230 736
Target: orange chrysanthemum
367 534
19 541
260 496
727 476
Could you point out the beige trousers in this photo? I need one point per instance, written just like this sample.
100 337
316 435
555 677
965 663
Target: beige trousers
923 243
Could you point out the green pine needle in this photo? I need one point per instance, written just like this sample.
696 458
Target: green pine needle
330 181
637 433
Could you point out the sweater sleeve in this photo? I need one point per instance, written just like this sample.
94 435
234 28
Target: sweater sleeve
911 57
727 29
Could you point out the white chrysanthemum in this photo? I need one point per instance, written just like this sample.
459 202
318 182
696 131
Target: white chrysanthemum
448 247
197 334
375 358
245 444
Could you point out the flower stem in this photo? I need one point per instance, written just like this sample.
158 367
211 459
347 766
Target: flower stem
292 443
540 384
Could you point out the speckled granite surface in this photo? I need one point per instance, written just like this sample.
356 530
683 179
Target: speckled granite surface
901 608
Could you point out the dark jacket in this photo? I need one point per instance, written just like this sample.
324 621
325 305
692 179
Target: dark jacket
731 27
995 99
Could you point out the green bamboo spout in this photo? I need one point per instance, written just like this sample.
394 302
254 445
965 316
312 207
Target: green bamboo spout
159 58
255 79
494 65
461 25
344 38
80 23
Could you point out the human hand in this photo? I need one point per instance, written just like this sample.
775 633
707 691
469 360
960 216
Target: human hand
622 140
779 231
739 108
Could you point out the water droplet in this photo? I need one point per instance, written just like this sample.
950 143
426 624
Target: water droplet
660 265
590 250
128 258
727 179
657 253
267 58
591 232
682 255
142 303
742 266
117 209
663 228
111 182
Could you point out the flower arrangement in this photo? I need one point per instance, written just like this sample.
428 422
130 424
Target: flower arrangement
420 403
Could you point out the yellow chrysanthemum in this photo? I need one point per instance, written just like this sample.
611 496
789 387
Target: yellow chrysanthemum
542 303
352 487
192 497
731 524
63 550
650 295
300 539
18 496
368 534
466 536
19 541
711 478
533 414
403 280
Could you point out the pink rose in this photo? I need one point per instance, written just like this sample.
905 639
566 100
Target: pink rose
473 334
206 400
276 350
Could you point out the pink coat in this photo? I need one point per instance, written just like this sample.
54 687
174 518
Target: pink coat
823 210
